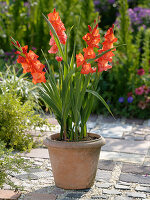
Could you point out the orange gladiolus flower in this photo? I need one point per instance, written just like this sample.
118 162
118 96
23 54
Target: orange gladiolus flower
30 63
89 53
38 77
55 20
107 57
86 68
93 38
79 59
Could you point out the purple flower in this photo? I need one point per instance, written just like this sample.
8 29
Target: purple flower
111 1
97 9
121 99
26 4
97 2
33 48
8 53
130 99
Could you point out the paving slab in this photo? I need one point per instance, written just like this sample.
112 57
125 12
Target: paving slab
111 192
37 153
126 146
135 169
38 196
122 198
9 194
44 174
103 175
132 178
123 157
147 161
111 130
147 137
106 165
148 122
103 185
75 195
122 187
98 197
136 195
27 176
142 189
58 191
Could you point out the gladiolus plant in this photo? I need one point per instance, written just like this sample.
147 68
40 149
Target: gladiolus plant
71 96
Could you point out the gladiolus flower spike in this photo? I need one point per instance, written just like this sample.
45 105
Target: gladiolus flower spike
105 54
30 63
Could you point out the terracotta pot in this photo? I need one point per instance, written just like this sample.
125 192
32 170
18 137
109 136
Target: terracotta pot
74 164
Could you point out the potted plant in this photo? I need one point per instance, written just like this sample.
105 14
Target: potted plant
74 153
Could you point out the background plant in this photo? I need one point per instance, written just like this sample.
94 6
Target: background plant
24 19
124 77
10 163
16 120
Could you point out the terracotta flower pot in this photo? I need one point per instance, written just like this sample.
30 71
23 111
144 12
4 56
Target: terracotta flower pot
74 164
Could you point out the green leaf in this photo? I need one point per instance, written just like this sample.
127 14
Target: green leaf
101 99
100 55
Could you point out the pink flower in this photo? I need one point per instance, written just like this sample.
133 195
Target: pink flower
139 91
59 59
141 72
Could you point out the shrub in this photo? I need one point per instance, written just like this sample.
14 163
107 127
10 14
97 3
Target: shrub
10 163
16 119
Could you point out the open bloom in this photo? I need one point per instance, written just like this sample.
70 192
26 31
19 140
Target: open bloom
121 99
30 63
93 37
55 20
139 91
130 99
141 72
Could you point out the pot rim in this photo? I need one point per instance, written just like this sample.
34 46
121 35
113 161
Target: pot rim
98 142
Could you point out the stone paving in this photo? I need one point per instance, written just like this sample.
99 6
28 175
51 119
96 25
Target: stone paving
123 169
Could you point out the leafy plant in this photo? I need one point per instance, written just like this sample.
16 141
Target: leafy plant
10 163
70 96
16 120
17 84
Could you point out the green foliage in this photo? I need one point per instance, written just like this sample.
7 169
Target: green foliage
68 96
17 84
123 77
146 51
10 163
24 21
16 120
124 30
